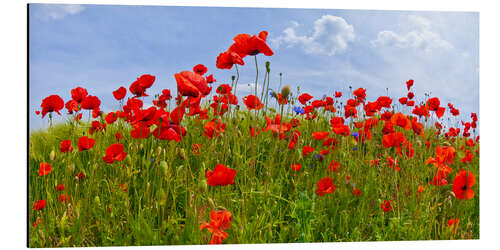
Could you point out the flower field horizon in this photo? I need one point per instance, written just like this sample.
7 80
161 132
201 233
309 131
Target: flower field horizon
202 165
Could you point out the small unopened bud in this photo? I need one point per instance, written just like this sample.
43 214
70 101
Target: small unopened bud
97 200
158 151
164 168
268 66
212 204
285 91
52 155
233 78
141 146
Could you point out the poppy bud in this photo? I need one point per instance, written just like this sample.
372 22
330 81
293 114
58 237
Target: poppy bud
158 150
203 186
52 155
182 153
233 78
97 200
163 198
71 167
141 146
285 91
268 66
164 168
128 159
212 204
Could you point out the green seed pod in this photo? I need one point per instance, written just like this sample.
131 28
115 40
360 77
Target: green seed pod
52 155
164 168
285 91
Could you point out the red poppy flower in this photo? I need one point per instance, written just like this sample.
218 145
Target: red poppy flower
304 98
226 60
360 94
221 176
307 150
468 157
334 166
78 94
252 102
384 101
80 176
71 106
120 93
410 95
453 222
401 120
140 133
462 185
223 89
169 132
320 135
91 102
60 188
403 100
200 69
66 146
440 112
356 192
118 136
114 153
196 148
210 79
386 206
85 143
325 186
191 84
218 221
410 103
338 94
296 167
294 139
433 103
44 169
52 103
409 83
111 117
245 44
63 198
395 139
214 128
37 112
350 111
39 205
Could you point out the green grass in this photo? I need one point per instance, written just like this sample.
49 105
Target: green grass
167 197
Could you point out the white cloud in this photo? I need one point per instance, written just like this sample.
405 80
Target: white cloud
58 11
331 35
422 37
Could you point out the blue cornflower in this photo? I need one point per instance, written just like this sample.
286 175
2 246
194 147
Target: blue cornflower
355 134
271 93
299 110
355 148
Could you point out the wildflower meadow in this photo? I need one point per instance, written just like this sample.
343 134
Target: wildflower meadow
204 165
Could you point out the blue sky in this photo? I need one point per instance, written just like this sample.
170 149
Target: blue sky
103 47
